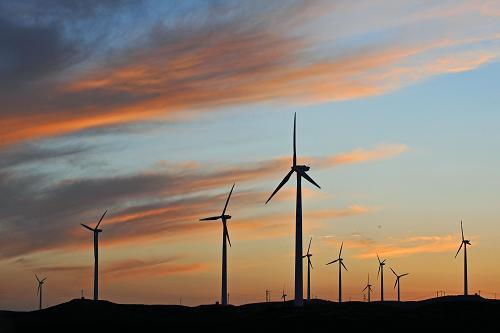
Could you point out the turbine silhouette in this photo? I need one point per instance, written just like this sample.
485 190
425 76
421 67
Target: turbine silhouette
398 282
341 264
40 290
309 267
283 296
380 272
96 232
300 170
464 243
225 236
369 288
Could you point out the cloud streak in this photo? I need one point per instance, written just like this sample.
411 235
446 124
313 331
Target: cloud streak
235 59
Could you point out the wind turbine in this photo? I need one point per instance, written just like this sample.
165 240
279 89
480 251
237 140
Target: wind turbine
341 264
300 170
369 288
283 296
40 290
96 232
309 267
464 243
225 236
380 272
398 283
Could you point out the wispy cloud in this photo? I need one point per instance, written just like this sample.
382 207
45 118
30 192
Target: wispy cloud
366 247
239 56
150 268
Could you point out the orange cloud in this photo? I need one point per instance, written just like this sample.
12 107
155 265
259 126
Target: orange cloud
229 67
150 268
411 246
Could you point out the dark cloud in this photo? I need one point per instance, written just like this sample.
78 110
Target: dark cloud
24 154
29 53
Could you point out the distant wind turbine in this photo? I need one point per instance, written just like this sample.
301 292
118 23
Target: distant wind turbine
398 283
309 267
283 296
225 236
368 288
464 243
380 272
300 170
40 290
96 232
341 264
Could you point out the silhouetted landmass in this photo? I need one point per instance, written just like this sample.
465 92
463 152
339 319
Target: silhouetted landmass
93 316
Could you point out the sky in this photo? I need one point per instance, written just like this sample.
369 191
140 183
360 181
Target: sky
153 109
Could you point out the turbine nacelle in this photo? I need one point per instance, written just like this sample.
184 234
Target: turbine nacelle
299 168
226 217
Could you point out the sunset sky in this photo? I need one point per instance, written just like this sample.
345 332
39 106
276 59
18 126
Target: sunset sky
152 109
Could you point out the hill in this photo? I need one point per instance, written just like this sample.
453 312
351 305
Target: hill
86 315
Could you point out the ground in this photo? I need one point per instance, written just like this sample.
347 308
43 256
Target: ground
79 314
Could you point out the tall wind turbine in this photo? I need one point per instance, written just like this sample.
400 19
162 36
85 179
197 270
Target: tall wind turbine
464 243
368 288
309 267
300 170
380 272
40 290
341 264
398 283
225 236
96 232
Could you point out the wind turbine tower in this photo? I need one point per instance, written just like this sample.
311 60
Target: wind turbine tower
368 288
309 267
300 170
39 291
464 243
341 265
96 232
225 236
398 283
380 272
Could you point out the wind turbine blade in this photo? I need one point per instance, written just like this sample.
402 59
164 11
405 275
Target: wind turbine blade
365 288
462 228
378 272
227 201
86 226
341 246
226 232
38 290
332 262
368 278
378 258
404 274
309 247
294 140
395 283
37 278
306 176
310 263
212 218
43 279
393 271
342 263
459 249
283 182
97 226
